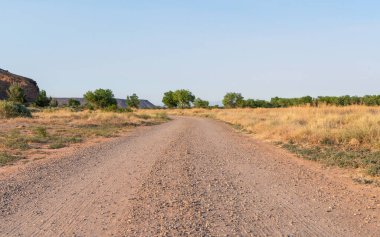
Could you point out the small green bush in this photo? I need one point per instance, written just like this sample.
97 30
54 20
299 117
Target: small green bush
74 103
133 101
16 93
42 99
10 109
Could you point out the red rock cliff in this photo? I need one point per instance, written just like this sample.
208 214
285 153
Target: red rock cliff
30 86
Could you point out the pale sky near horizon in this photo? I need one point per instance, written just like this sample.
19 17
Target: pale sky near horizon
262 49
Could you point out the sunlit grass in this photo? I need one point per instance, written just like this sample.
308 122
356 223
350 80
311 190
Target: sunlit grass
342 136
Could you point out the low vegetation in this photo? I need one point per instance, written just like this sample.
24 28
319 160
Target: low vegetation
54 128
133 101
42 99
341 136
236 100
101 99
10 109
6 158
16 94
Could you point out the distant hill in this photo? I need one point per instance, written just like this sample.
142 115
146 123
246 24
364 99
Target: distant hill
30 86
144 104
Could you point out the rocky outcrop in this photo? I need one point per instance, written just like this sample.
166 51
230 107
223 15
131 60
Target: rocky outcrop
30 87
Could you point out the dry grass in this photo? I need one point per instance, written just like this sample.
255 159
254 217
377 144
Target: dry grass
352 127
54 129
343 136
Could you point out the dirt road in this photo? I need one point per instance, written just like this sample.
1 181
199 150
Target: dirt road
188 177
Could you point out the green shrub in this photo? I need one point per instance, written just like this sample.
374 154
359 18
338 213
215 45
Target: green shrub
42 99
133 101
101 99
9 109
74 103
199 103
16 93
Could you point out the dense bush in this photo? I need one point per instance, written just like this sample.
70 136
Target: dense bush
100 98
42 99
199 103
133 101
9 109
73 103
16 94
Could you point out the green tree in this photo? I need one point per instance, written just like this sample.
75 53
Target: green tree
233 100
250 103
184 98
306 100
16 93
73 103
42 99
133 101
199 103
100 98
169 100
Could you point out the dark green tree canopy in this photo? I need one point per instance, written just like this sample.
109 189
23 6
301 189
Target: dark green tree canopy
100 98
133 101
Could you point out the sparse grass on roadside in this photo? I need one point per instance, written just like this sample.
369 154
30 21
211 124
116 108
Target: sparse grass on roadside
6 158
340 136
58 128
365 159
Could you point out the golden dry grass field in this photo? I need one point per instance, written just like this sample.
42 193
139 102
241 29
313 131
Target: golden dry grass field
342 136
52 129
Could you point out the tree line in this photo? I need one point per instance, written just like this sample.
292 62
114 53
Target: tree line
185 99
182 98
97 99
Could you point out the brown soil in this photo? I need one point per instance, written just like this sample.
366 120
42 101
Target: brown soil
188 177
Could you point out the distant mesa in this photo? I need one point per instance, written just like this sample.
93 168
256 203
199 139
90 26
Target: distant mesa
30 86
144 104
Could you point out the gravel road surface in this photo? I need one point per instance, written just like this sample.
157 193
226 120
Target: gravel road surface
187 177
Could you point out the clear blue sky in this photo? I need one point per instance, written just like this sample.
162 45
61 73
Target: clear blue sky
259 48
